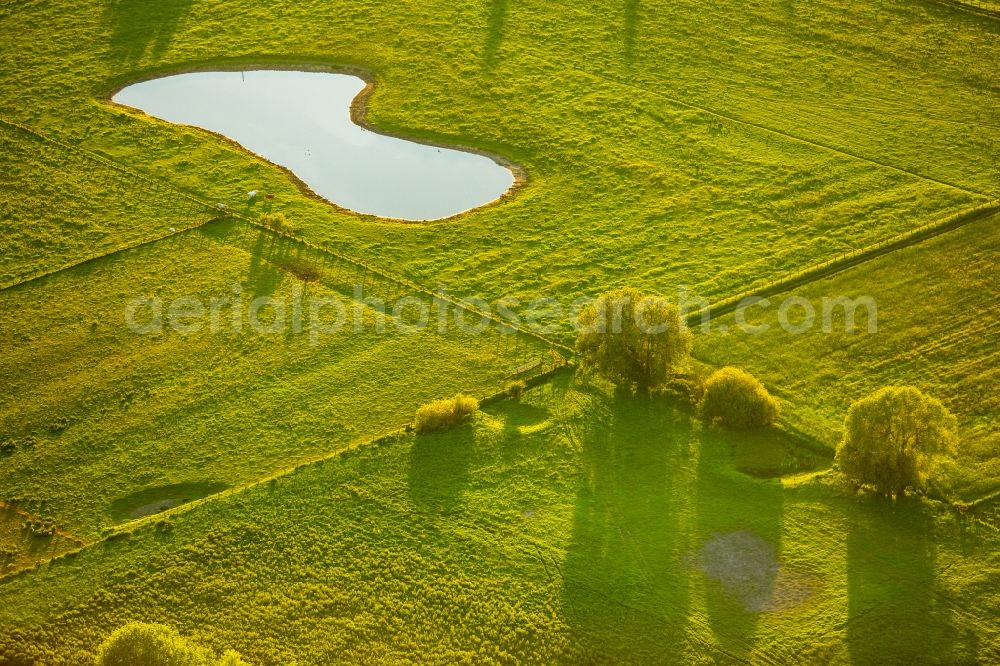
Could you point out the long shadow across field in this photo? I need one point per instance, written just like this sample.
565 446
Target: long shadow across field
142 27
627 586
894 611
739 526
494 33
440 469
631 29
674 555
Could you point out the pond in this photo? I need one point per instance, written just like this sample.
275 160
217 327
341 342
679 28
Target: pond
302 121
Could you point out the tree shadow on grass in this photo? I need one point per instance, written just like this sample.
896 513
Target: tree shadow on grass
440 468
895 614
494 33
143 27
739 543
263 277
631 29
626 590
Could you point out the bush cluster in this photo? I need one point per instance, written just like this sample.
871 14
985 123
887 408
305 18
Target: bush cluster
444 414
737 400
10 446
39 527
516 388
152 644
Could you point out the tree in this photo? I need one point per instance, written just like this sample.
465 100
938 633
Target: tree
893 437
145 644
633 340
738 400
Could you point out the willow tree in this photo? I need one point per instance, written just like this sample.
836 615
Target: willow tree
633 340
893 437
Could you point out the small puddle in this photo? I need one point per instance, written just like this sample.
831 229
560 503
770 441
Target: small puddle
302 121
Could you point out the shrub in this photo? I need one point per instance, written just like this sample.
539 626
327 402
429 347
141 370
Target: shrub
738 400
893 437
443 414
277 222
684 387
231 658
633 340
517 388
39 527
138 643
145 644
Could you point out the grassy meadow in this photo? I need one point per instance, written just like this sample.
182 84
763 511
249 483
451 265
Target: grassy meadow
107 422
932 332
662 145
571 527
263 491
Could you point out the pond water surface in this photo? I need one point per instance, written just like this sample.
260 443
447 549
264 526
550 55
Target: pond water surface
301 121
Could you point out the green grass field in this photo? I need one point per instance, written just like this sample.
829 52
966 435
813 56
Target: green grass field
642 168
932 333
119 421
260 492
572 527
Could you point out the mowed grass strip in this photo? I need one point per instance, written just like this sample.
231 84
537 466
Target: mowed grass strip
936 329
122 422
573 526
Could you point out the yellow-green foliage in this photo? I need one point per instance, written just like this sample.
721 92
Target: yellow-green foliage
154 644
516 388
893 438
738 400
444 414
640 173
539 544
277 222
632 339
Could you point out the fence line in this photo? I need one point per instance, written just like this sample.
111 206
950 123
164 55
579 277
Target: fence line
849 260
363 271
362 267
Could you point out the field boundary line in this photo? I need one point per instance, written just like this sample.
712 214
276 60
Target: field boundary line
222 211
407 283
731 117
126 529
853 259
106 161
105 255
153 183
